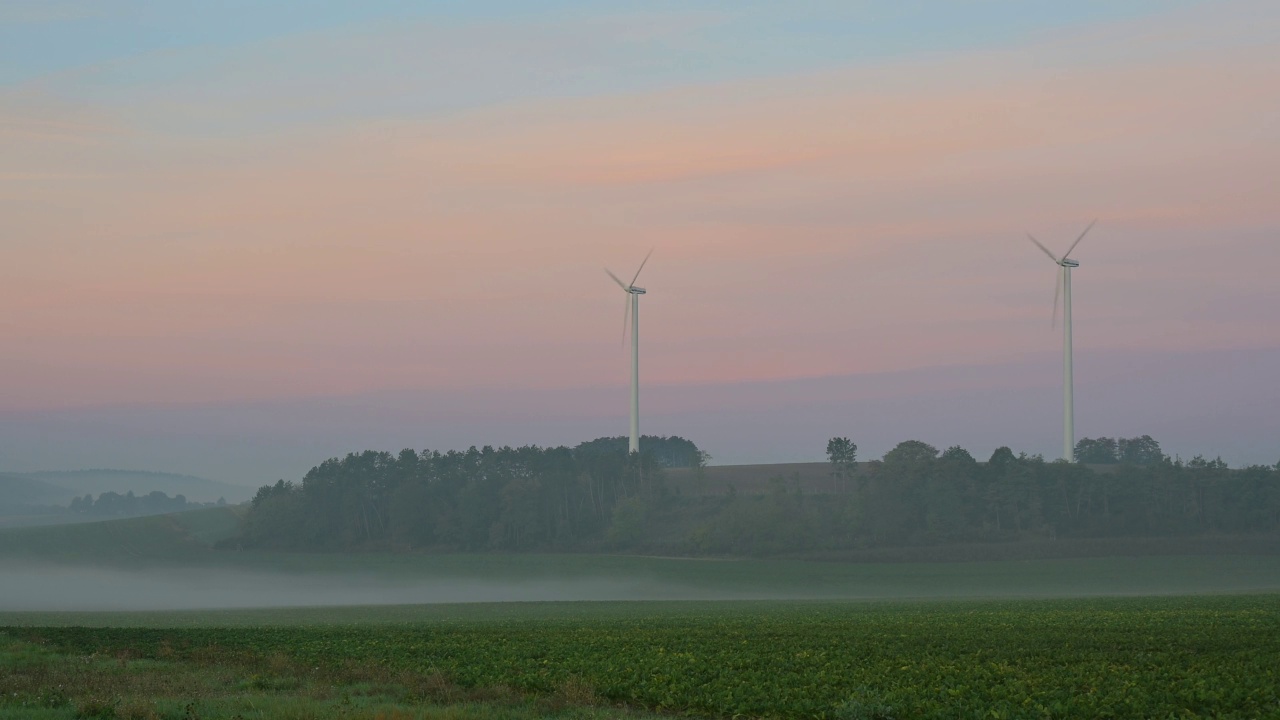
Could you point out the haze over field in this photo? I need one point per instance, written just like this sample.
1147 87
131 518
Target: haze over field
241 240
57 588
97 589
170 563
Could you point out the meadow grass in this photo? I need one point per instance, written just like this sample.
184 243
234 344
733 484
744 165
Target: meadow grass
125 681
38 683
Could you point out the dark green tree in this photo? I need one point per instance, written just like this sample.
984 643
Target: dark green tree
842 454
1139 451
1097 451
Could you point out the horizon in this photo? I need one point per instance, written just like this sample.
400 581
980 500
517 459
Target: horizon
795 417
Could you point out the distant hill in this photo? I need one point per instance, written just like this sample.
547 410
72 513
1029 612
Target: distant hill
184 536
22 490
73 483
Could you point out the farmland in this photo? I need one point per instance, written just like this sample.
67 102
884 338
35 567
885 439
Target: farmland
408 635
1117 657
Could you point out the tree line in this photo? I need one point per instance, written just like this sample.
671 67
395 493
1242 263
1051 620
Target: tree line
916 495
488 498
113 504
597 496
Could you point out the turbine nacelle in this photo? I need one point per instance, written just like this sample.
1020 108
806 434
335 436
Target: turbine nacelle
631 289
1065 262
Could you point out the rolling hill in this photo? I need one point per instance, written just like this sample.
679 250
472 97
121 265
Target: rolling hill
18 491
74 483
178 537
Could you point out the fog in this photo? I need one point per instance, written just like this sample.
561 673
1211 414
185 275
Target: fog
35 588
27 586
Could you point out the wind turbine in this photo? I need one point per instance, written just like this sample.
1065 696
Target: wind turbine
1065 263
631 311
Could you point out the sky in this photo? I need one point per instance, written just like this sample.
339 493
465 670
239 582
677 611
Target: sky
242 237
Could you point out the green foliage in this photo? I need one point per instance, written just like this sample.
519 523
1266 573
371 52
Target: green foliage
628 527
842 454
1109 451
597 496
482 499
670 452
1117 657
113 504
751 525
914 497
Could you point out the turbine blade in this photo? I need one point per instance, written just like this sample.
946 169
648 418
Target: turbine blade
1057 293
615 279
646 259
1042 247
1077 242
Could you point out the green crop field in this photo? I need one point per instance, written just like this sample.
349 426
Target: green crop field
1107 657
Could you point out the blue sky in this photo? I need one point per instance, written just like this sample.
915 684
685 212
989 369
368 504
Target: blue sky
42 37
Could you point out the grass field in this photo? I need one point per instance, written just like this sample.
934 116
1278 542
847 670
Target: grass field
1108 657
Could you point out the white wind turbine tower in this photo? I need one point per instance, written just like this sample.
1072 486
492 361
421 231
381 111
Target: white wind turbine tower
1065 263
631 311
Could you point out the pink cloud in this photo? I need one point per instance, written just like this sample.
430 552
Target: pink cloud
854 220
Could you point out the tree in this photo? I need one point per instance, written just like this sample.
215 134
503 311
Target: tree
911 452
1139 451
961 474
896 508
994 488
670 452
842 453
700 465
1100 451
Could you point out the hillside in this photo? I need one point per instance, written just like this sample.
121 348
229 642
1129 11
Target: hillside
182 537
812 477
17 491
96 482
